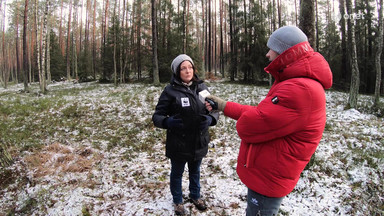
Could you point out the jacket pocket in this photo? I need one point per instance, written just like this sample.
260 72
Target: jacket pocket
291 166
204 138
262 156
176 141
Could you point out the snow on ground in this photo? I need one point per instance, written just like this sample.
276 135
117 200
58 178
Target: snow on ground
106 158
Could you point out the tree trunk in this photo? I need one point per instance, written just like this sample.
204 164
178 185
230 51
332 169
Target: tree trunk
245 49
30 53
138 42
296 12
81 26
69 42
205 34
355 78
344 75
84 44
203 37
183 25
38 48
186 27
209 38
94 40
273 16
232 24
379 51
155 63
221 40
132 42
369 29
122 43
74 37
17 44
33 48
307 20
43 83
114 44
49 76
25 50
4 67
279 12
61 40
214 48
317 26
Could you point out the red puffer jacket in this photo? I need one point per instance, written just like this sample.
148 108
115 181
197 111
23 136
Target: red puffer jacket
279 136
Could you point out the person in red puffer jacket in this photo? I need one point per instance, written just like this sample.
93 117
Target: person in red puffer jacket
279 136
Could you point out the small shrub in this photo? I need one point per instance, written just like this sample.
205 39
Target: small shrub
28 207
85 211
70 111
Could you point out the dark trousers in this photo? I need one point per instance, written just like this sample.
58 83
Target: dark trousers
176 177
260 205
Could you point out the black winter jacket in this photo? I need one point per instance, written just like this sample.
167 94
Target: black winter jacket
189 142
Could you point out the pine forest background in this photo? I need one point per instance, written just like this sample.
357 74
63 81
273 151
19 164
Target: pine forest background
124 41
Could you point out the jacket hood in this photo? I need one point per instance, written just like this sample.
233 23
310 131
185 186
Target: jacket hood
301 61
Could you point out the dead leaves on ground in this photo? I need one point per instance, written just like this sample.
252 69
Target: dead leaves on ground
58 158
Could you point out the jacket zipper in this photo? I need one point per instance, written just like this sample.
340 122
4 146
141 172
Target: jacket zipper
248 156
195 107
194 104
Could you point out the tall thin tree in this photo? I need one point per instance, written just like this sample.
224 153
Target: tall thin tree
69 42
4 71
232 32
42 75
94 40
18 67
138 38
379 51
209 37
38 48
307 20
344 75
221 56
355 78
61 40
115 27
25 50
155 66
74 38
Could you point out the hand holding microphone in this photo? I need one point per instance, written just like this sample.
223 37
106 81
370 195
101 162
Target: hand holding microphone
212 102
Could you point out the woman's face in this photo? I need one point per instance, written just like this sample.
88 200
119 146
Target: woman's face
186 71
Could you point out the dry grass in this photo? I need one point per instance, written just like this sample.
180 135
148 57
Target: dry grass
57 158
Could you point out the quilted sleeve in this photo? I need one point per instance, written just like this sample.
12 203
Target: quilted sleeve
284 112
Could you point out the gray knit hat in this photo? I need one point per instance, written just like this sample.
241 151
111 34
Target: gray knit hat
285 37
178 60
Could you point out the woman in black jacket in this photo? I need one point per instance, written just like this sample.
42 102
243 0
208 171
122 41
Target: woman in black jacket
186 119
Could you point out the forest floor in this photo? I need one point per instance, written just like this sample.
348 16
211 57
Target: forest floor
92 149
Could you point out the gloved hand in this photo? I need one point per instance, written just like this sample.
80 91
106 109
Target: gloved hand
205 123
173 122
220 102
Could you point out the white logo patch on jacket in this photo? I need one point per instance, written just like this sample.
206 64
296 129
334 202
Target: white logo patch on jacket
185 102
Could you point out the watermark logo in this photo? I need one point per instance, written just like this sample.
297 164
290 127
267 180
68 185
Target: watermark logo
353 16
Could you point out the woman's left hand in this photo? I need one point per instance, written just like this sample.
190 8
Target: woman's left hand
206 123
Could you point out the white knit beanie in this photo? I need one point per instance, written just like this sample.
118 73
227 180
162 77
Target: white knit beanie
178 60
285 37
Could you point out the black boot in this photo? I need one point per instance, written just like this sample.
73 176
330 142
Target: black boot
199 203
